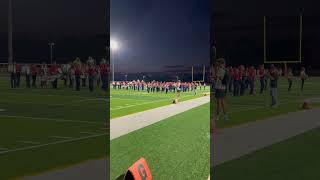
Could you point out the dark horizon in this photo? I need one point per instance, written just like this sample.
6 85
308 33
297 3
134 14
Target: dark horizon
79 28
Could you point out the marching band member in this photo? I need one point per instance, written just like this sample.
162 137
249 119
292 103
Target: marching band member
92 74
104 74
77 75
54 72
18 74
34 73
12 71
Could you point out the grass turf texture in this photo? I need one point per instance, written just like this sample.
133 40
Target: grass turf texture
248 108
45 129
295 159
175 148
125 102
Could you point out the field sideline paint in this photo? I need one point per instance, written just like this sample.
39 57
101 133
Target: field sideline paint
49 119
53 143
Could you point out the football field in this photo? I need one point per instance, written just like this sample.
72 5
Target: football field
249 108
46 129
125 102
176 147
295 158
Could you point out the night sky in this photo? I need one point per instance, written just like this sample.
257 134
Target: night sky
78 28
154 33
237 30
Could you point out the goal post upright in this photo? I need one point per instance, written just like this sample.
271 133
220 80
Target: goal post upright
204 73
264 40
300 39
192 73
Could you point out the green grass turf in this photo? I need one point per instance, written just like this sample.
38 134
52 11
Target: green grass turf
125 102
248 108
175 148
32 117
294 159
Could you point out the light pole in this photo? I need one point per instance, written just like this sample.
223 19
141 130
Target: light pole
114 47
10 32
126 77
51 44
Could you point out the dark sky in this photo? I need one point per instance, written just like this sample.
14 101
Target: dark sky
238 30
156 33
78 27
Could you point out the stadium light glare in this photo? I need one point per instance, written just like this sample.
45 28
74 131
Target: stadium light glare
114 45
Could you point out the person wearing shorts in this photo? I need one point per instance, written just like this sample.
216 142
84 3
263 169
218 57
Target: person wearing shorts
220 88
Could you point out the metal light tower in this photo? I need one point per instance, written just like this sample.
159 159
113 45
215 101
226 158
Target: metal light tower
51 45
10 32
114 47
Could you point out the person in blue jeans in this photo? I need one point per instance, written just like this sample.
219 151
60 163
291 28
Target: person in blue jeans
273 75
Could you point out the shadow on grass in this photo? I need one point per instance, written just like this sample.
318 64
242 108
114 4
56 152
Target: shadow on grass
121 177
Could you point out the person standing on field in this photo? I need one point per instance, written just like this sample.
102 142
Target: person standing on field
261 75
289 76
273 75
220 77
303 77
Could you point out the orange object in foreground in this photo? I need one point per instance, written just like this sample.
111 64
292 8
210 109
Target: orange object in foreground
139 171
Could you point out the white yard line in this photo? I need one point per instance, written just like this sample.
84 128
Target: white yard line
60 137
127 99
52 143
50 95
140 104
96 99
29 142
50 119
126 124
3 149
90 133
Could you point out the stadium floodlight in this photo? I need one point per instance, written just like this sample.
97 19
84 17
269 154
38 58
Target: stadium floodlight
114 45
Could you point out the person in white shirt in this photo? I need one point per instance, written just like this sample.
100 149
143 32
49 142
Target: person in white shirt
220 88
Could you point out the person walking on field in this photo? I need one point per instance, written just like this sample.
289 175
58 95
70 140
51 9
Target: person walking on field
303 77
273 75
221 85
92 74
251 78
261 75
12 71
289 76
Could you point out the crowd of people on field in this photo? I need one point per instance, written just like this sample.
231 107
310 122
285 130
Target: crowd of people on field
74 75
238 80
157 86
